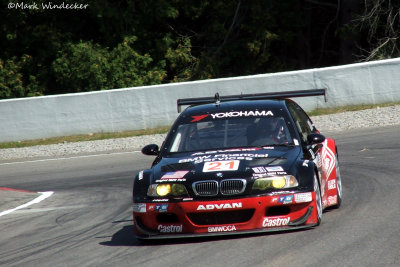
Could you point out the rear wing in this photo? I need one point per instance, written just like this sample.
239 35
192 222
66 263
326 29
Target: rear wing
275 95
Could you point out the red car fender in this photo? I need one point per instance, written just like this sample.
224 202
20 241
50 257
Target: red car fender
328 185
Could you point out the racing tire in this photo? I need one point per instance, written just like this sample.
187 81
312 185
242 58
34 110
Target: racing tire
318 199
338 185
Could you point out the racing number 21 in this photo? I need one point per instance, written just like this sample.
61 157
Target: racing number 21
215 166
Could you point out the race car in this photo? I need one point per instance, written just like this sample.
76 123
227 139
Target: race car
237 164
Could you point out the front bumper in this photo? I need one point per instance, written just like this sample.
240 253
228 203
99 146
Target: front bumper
157 220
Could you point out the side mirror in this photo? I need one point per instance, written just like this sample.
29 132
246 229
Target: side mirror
315 138
151 150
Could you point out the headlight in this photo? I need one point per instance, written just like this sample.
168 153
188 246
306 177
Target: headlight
275 182
162 190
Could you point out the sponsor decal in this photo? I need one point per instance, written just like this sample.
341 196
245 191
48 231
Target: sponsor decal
280 193
199 117
174 175
169 228
328 159
161 207
226 151
171 180
303 197
228 228
286 199
234 114
222 206
296 142
223 157
261 171
318 161
216 166
275 222
160 200
251 113
187 199
305 163
268 147
331 184
139 207
274 169
151 207
332 200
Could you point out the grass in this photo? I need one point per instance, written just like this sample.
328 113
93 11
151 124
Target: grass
160 130
327 111
79 138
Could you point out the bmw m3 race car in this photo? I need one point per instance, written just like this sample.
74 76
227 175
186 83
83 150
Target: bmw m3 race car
237 164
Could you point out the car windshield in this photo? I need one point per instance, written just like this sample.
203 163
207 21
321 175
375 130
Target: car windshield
230 133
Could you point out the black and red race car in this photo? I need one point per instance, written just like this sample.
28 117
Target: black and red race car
237 164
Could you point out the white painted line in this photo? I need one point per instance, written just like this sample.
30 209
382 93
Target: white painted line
43 196
72 157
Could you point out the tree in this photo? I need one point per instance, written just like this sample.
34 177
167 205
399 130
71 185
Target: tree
86 66
10 79
124 43
381 23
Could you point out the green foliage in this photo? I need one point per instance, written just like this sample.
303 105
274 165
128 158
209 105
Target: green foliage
182 62
129 68
86 66
125 43
82 67
10 79
12 83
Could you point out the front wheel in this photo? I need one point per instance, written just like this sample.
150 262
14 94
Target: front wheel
318 199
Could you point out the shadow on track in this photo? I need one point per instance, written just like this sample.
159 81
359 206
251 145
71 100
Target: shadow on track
124 237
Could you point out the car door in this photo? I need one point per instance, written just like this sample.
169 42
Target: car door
317 152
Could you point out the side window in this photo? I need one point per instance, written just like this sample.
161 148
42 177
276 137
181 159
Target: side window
304 116
303 122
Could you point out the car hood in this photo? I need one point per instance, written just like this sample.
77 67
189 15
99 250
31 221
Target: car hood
225 164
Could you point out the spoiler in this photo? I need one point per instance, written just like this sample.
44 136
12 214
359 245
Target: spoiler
275 95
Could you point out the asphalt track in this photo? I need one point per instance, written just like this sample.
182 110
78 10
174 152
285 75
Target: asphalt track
87 221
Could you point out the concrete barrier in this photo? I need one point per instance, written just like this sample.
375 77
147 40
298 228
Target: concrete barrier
152 106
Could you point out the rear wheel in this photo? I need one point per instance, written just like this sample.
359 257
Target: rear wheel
318 199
